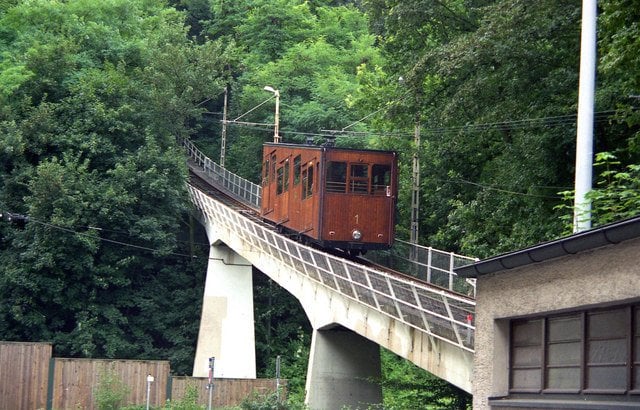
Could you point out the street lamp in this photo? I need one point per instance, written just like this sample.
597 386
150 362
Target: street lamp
276 137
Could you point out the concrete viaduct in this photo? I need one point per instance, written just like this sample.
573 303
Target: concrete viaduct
353 309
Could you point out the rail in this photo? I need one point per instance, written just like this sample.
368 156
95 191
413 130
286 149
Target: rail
437 312
427 264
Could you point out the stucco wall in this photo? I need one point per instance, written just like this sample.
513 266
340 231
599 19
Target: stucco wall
608 275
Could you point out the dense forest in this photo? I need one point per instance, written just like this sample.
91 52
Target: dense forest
107 261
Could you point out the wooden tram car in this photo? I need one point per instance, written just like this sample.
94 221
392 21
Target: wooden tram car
333 197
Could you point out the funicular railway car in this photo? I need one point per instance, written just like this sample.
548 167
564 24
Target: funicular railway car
333 197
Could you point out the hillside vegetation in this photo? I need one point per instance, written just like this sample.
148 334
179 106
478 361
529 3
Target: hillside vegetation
94 93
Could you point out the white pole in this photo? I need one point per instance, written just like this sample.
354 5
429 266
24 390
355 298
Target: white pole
586 92
210 384
223 141
278 379
149 381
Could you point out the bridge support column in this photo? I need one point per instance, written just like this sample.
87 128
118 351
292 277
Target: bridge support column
344 370
226 325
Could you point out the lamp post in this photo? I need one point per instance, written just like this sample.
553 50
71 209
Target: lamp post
276 137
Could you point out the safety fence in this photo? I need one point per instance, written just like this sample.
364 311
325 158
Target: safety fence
427 264
237 187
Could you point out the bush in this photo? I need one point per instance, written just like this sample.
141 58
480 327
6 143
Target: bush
269 402
111 391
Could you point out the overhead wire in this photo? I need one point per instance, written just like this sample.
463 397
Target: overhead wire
551 121
497 189
121 243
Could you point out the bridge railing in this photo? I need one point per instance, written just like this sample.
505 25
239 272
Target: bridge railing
243 190
437 312
427 264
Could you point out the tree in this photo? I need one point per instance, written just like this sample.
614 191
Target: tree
282 329
493 63
315 74
620 50
406 386
93 96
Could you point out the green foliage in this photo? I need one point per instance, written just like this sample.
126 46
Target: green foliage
188 402
93 94
620 50
484 189
313 64
90 113
282 329
405 386
615 197
269 402
111 391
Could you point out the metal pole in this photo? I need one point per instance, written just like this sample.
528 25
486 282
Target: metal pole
210 384
223 146
415 186
278 378
584 142
149 381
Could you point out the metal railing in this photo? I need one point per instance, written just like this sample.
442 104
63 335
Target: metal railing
444 315
427 264
239 188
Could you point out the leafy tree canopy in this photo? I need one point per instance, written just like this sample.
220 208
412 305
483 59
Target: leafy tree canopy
93 95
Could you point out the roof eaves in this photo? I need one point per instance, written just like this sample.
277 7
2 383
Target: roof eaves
583 241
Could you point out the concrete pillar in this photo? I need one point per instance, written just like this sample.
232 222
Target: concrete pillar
344 370
226 324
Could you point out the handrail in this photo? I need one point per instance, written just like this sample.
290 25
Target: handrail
239 188
427 264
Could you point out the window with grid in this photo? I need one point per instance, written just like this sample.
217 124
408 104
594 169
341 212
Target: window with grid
297 169
359 178
307 180
590 352
336 176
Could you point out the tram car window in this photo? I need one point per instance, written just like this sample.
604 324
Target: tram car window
333 197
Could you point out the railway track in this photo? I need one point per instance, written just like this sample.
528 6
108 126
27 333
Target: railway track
202 184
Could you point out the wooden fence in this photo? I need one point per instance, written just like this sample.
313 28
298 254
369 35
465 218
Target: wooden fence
226 392
77 382
24 374
30 379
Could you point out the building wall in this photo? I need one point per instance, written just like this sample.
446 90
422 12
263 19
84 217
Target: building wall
608 275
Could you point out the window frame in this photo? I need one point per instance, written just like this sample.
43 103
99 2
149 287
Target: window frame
307 180
599 348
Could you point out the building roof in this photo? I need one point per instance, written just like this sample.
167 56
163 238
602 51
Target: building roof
583 241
